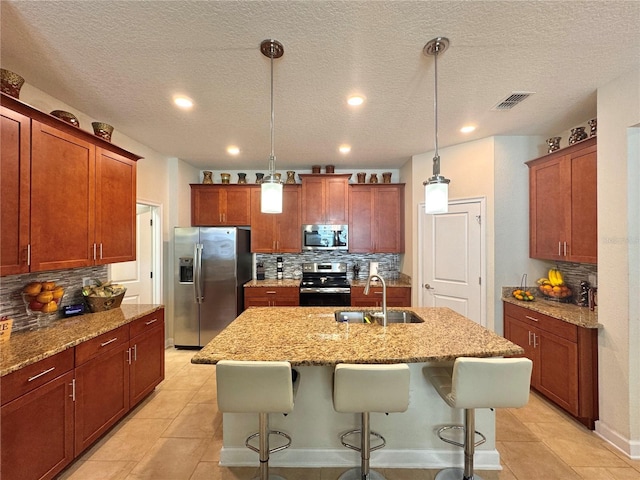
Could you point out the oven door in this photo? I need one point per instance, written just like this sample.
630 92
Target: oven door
325 297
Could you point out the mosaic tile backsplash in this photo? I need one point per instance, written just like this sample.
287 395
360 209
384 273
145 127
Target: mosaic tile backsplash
11 286
389 263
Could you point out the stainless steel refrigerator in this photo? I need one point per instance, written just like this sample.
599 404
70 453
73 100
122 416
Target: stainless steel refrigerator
211 266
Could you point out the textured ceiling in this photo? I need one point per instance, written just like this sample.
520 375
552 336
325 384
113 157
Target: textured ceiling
122 61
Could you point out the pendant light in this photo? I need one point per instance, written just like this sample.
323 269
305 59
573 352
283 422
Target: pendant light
436 191
271 188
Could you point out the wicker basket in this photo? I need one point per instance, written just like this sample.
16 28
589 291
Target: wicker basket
101 304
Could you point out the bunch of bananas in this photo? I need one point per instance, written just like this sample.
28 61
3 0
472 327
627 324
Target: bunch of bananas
553 285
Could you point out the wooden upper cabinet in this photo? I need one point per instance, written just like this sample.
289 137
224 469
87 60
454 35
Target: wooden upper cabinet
15 184
115 207
325 199
277 233
68 197
563 204
62 199
220 205
376 218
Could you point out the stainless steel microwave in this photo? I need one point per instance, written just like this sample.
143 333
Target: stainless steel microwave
325 237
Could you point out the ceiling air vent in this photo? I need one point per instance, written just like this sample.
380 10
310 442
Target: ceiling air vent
511 100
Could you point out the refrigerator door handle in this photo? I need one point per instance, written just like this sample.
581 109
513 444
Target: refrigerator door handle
197 272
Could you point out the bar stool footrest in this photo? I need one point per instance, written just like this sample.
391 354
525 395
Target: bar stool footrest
271 450
357 448
453 442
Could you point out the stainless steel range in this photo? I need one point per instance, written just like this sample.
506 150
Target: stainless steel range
325 284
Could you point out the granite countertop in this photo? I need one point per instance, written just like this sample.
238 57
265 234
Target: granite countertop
567 312
27 347
311 336
400 281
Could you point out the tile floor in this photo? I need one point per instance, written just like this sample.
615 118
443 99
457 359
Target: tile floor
176 434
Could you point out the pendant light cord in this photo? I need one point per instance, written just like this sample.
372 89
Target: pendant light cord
436 158
272 115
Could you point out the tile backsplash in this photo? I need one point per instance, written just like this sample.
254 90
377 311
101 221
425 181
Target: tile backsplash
11 286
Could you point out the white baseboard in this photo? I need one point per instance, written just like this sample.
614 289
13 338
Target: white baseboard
629 447
386 458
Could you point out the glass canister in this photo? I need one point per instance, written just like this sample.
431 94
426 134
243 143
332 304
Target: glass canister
226 177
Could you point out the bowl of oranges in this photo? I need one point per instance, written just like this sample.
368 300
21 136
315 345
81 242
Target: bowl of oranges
42 298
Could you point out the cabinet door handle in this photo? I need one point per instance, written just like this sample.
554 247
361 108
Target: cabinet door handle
29 254
100 251
94 251
531 318
559 249
129 356
565 249
151 322
529 337
104 344
31 379
73 390
135 352
536 340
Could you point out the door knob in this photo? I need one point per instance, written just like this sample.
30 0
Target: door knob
428 287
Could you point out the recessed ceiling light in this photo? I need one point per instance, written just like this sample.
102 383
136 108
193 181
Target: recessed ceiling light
345 149
468 129
233 150
355 100
183 102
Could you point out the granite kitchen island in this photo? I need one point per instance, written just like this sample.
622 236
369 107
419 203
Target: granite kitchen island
311 339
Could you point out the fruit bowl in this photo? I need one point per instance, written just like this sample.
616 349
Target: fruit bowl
558 293
42 298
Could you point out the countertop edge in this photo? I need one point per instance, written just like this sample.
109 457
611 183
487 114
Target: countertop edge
555 311
73 340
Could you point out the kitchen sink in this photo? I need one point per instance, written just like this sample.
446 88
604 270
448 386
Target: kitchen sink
366 316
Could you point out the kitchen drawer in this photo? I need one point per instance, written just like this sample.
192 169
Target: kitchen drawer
146 323
32 376
544 322
102 343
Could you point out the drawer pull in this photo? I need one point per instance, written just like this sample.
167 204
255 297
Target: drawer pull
531 318
108 342
271 292
151 321
31 379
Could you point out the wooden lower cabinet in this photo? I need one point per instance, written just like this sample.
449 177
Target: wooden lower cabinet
147 356
271 297
37 431
102 394
51 412
565 359
396 297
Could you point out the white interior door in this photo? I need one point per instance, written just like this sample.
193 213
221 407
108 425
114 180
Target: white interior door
451 260
137 275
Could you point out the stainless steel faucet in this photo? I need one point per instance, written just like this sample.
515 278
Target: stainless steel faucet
384 295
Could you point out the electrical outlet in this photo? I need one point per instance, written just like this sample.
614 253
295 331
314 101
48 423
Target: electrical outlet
593 280
86 281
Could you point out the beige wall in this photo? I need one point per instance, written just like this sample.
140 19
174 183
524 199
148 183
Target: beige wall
619 339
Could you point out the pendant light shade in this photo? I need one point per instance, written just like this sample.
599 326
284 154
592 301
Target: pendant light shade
271 188
436 188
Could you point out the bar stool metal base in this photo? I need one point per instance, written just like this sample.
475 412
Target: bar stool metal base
356 474
455 474
271 477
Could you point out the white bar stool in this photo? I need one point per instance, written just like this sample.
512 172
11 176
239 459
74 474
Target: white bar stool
478 383
257 387
364 389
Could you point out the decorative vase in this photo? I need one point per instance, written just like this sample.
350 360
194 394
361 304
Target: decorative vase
373 178
102 130
10 83
386 177
278 176
226 177
593 124
207 177
361 177
315 169
67 117
259 177
291 176
577 134
242 178
330 169
554 144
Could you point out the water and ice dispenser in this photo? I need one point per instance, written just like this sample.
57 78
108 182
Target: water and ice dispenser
186 269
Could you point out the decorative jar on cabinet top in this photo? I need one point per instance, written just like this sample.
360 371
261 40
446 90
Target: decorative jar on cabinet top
207 177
